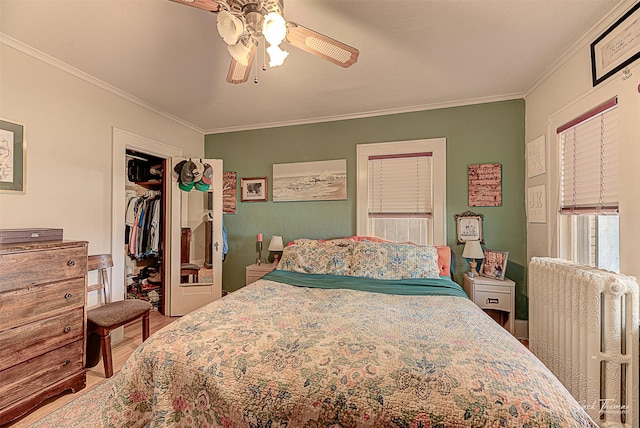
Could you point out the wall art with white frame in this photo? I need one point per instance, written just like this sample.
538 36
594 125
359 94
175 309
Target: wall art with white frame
537 204
536 157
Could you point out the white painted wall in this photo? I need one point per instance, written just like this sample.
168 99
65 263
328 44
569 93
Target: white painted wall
564 95
69 124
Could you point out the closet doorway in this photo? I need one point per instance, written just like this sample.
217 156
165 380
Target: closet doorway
199 212
145 214
124 141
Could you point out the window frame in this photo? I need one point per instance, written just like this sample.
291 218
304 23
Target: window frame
437 146
574 225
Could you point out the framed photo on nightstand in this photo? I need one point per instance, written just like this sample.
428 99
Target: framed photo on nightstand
494 264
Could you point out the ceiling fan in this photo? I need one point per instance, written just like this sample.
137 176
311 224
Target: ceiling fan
241 23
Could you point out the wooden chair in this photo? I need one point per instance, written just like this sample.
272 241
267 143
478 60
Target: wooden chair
111 315
187 269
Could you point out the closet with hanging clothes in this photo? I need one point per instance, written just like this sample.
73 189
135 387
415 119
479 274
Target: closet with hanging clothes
144 227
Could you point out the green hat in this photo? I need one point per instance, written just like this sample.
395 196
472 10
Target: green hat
202 186
184 186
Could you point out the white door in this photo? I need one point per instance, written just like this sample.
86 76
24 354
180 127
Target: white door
195 271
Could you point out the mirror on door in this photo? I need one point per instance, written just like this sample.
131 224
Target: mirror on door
196 232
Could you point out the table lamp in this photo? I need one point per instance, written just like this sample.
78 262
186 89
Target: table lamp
277 246
472 251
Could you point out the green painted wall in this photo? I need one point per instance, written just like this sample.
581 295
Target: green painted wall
481 133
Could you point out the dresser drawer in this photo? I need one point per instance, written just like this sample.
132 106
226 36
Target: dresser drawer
493 300
36 374
254 272
23 343
26 305
23 269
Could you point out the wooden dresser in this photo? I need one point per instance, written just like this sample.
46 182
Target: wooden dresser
42 323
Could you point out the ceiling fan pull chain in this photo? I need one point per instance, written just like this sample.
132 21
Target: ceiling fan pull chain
255 79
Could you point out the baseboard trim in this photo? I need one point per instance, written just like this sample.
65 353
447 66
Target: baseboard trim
521 328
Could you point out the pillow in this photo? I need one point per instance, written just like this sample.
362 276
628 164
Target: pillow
394 261
317 257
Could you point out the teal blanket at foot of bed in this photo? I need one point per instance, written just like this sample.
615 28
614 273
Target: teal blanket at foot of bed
442 286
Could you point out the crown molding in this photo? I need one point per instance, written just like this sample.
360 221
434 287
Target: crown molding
372 113
48 59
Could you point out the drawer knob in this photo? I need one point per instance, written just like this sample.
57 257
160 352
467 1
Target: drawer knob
67 329
68 295
66 362
71 263
490 300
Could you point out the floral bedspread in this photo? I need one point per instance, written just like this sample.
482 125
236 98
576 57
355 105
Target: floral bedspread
274 355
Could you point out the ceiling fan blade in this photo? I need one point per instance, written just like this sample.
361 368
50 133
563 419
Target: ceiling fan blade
321 45
210 5
239 73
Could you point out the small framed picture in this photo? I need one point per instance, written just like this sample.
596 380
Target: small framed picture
494 264
12 157
254 189
469 227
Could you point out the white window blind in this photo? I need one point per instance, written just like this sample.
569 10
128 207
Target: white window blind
400 185
589 162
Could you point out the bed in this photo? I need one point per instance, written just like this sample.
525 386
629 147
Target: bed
345 333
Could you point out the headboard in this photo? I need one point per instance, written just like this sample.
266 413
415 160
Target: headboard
444 260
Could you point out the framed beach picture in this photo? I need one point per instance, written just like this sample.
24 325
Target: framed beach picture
12 157
494 264
310 181
254 189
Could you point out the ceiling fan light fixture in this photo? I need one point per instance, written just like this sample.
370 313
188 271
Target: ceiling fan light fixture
230 27
241 51
255 23
274 28
276 55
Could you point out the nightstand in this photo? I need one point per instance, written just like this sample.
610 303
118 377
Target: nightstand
256 271
495 297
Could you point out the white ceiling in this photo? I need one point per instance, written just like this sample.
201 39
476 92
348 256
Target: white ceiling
414 54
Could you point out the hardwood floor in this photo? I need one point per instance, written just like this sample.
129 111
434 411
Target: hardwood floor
95 375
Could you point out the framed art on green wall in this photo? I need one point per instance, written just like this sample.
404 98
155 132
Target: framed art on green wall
253 189
310 181
12 157
469 227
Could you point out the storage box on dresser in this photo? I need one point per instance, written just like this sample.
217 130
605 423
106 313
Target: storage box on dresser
42 323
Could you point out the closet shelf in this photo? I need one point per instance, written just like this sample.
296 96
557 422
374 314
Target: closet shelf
151 185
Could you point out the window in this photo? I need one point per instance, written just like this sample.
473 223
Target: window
402 191
589 188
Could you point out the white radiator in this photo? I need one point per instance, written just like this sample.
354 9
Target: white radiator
583 325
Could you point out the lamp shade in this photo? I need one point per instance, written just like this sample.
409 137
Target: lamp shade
229 27
274 28
276 55
241 51
472 250
276 243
